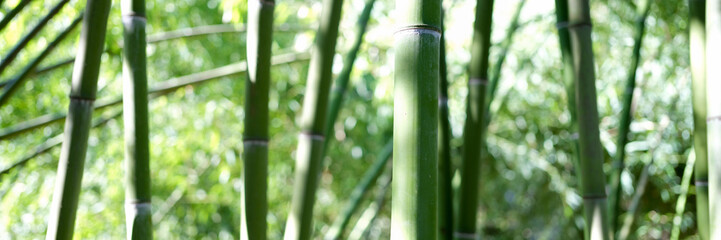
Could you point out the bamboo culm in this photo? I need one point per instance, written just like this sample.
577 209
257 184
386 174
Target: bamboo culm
254 201
135 118
697 42
310 141
626 116
415 120
445 168
7 59
591 176
12 13
713 119
61 222
473 130
16 82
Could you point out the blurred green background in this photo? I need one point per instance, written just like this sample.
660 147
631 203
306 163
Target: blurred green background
528 183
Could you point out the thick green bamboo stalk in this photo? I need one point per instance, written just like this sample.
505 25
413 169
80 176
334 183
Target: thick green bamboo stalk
310 141
30 68
11 14
591 175
8 58
77 126
341 82
445 169
254 202
135 118
618 165
713 120
681 202
474 127
161 88
697 43
415 120
356 197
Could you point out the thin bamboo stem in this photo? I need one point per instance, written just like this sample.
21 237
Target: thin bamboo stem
445 164
505 47
161 88
415 120
254 202
26 39
697 44
681 202
473 131
591 175
626 116
138 211
310 141
12 13
713 119
356 197
77 126
29 70
363 226
625 230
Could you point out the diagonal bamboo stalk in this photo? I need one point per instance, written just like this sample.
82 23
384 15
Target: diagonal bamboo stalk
505 47
10 15
61 222
626 118
415 120
681 202
365 222
8 58
29 70
162 88
308 165
697 44
356 197
473 130
138 211
254 202
590 164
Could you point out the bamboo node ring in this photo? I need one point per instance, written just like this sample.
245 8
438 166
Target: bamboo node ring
478 81
257 142
82 99
714 118
578 25
463 235
420 29
701 183
312 136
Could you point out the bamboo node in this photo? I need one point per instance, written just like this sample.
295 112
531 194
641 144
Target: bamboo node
82 99
701 183
313 136
442 101
594 197
714 118
462 235
561 25
420 29
478 81
257 142
578 25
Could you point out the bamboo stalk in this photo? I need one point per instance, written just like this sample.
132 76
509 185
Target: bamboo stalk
625 230
254 203
713 120
29 70
505 47
11 14
138 211
591 176
161 88
356 197
415 120
626 118
445 164
681 202
77 126
26 39
46 69
473 131
341 82
363 226
697 42
310 141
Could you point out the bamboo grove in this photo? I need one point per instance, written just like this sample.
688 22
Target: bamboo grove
372 119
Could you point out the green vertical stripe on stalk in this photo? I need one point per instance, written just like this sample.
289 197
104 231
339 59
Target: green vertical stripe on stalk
356 197
623 133
11 14
254 201
7 59
713 119
697 44
77 125
473 130
681 202
341 82
315 107
135 117
445 169
415 120
15 83
591 175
